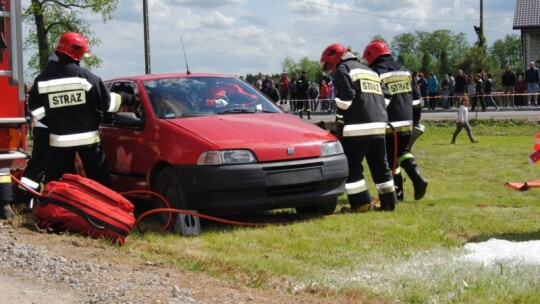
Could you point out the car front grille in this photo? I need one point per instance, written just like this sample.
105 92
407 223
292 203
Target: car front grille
292 189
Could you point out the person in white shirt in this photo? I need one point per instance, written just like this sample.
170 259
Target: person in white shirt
463 121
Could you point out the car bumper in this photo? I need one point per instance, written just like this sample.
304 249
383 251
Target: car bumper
254 187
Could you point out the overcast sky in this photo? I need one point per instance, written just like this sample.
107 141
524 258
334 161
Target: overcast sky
238 37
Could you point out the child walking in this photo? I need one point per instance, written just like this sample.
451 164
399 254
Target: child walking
463 121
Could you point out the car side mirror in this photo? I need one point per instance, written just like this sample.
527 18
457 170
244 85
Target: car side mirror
128 119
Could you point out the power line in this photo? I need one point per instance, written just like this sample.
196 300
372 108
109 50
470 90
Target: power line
396 18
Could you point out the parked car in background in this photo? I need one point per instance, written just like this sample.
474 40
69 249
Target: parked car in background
215 144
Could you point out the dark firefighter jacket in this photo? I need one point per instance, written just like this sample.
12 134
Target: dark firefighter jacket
403 94
71 99
359 100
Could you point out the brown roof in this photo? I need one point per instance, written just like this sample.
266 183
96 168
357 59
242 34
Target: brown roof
527 14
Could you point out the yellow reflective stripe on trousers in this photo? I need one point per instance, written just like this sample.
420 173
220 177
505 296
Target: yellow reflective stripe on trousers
356 187
404 157
373 128
63 84
73 140
4 179
385 187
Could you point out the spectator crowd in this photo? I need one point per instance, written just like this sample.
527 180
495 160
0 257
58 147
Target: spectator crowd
295 93
517 90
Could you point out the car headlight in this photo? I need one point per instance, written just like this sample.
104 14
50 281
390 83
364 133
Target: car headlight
330 148
226 157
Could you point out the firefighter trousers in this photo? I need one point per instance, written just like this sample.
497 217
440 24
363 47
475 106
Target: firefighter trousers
35 168
61 160
373 149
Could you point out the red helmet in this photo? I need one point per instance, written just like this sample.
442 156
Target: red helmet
73 44
375 49
331 57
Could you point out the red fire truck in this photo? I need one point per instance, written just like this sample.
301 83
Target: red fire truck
12 93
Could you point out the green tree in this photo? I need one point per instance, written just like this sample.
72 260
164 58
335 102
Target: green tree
443 51
461 45
476 60
378 37
411 61
47 20
289 66
312 67
404 44
508 51
427 60
444 63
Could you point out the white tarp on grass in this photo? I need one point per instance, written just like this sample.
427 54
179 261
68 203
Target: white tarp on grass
495 251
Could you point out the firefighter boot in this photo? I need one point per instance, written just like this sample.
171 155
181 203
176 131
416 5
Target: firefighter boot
388 201
419 183
360 203
5 211
398 184
359 209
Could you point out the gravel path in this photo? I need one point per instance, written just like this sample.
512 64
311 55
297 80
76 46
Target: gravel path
37 275
40 268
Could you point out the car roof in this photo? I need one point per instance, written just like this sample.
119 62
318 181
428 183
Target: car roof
169 75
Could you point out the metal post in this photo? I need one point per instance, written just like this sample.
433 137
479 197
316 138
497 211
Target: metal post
147 68
482 23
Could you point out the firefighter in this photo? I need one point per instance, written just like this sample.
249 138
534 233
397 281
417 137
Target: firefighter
71 99
35 167
362 119
402 96
302 85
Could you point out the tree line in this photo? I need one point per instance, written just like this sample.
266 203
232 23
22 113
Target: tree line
440 51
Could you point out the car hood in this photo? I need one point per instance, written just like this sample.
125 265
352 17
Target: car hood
271 136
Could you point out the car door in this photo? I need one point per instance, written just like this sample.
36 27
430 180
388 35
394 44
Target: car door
122 135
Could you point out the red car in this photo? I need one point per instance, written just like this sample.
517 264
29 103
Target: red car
216 144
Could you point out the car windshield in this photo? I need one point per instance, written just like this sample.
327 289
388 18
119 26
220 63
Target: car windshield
199 96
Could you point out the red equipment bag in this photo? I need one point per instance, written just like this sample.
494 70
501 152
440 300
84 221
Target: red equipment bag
78 204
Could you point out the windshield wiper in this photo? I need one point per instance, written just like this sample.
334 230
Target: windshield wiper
237 110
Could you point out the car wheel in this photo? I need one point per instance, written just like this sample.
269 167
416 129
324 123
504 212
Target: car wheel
326 208
168 185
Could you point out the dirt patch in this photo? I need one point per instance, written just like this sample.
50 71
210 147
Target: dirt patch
36 267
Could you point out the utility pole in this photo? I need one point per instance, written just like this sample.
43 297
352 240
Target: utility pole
147 66
480 29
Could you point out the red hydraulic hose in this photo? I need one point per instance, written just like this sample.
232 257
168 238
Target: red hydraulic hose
34 192
208 217
168 209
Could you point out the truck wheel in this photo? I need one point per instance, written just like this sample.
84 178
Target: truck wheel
326 208
168 185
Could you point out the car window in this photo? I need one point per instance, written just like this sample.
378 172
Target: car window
129 88
196 96
127 115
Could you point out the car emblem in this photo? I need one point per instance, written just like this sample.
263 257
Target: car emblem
290 151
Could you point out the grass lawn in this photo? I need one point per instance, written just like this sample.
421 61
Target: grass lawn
411 255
